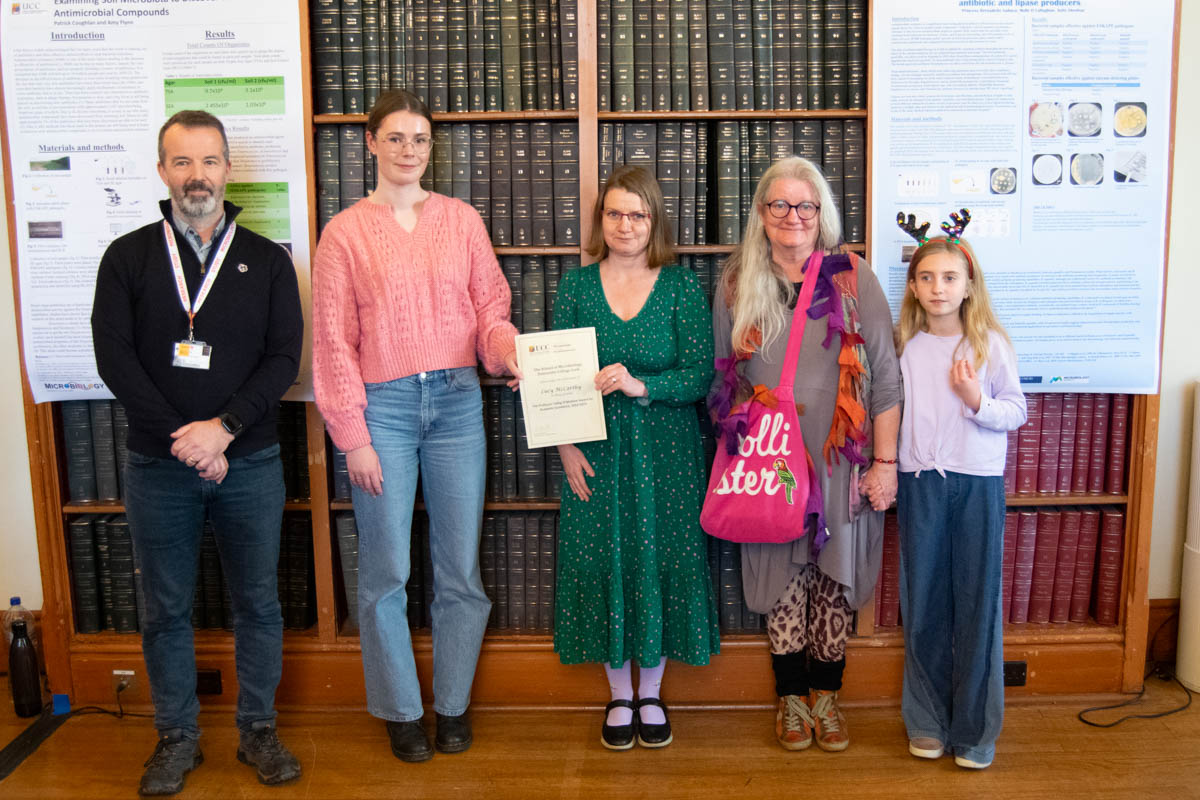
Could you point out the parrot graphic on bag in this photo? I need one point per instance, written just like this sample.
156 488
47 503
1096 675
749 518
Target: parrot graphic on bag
785 478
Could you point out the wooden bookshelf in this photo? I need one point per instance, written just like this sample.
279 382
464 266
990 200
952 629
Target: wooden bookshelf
322 666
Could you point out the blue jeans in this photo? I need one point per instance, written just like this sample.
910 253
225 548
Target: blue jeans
431 421
166 502
951 535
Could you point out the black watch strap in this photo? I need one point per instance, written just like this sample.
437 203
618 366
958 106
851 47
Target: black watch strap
232 425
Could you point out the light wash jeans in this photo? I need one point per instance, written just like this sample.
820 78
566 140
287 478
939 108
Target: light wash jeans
432 421
166 503
951 538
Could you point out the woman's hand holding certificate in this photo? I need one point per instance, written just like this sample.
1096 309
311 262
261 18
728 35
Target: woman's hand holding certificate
559 397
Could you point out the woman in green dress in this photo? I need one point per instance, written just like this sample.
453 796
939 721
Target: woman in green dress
633 580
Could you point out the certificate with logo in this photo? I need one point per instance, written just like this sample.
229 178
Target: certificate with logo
558 395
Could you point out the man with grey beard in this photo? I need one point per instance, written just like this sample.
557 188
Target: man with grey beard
197 329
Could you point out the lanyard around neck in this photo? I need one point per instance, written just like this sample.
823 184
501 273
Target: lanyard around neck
189 307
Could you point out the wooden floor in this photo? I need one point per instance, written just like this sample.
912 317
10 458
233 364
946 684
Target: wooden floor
1044 752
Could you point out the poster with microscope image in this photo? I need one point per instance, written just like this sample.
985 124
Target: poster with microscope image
1050 120
87 84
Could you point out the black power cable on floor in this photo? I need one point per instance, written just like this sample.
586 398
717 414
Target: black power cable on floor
1162 671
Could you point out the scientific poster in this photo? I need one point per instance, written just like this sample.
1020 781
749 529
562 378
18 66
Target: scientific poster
87 84
1049 120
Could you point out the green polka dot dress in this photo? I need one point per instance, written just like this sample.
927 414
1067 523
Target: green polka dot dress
633 578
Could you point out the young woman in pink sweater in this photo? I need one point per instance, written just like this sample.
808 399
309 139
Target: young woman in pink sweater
407 295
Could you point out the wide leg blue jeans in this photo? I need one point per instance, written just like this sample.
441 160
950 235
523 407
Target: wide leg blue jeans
166 503
951 535
431 422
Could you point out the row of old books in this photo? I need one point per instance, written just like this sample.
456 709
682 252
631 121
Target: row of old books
708 171
517 558
95 436
693 55
1070 444
522 177
457 55
1059 565
107 583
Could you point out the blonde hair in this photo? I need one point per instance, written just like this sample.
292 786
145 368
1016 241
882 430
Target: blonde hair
975 312
756 289
635 180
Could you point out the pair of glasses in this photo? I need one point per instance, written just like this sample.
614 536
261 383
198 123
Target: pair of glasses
419 144
636 217
781 208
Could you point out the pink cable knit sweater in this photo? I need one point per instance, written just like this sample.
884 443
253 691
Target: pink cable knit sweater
388 303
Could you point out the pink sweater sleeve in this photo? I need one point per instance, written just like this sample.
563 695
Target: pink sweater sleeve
337 377
492 300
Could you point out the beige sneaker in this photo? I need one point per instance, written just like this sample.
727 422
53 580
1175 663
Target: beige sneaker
926 747
830 725
793 723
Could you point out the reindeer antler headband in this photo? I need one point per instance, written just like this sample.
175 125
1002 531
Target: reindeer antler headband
953 232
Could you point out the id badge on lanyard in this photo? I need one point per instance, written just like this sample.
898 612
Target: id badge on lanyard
190 353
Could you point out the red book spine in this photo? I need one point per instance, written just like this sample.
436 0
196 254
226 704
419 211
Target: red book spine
889 573
1047 480
1007 562
1096 472
1085 564
1010 464
1041 592
1108 566
1064 565
1066 443
1118 439
1083 443
1023 565
1029 440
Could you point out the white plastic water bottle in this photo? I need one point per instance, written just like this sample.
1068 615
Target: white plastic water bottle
15 612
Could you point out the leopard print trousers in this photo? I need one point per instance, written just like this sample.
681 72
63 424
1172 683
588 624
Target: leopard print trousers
813 614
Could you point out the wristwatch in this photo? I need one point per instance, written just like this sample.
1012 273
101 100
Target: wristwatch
232 425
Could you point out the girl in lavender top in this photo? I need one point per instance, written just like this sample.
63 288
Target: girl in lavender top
961 395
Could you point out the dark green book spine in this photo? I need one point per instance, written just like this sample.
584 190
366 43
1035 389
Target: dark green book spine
420 51
856 54
698 53
457 55
604 72
329 193
124 598
568 30
527 44
531 463
84 581
660 11
681 93
832 163
399 35
439 41
495 487
476 83
515 541
556 54
815 30
623 89
77 440
834 51
781 53
508 416
854 180
493 60
702 183
764 67
745 185
687 183
566 183
385 45
442 158
799 54
104 573
372 43
325 25
353 78
501 186
643 55
510 54
487 563
546 567
533 571
722 88
511 267
347 537
460 157
743 55
760 150
641 145
781 139
481 171
522 194
120 442
668 173
605 148
541 165
806 136
728 183
543 63
104 450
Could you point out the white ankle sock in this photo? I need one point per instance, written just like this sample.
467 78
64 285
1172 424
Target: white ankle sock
620 683
649 685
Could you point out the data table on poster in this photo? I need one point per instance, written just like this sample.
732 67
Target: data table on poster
225 96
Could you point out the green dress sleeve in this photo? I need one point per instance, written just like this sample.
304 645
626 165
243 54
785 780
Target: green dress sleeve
689 379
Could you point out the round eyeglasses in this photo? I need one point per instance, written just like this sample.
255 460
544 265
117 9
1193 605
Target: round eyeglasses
781 208
419 144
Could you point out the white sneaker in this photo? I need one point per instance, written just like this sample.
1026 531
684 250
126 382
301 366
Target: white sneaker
925 747
967 763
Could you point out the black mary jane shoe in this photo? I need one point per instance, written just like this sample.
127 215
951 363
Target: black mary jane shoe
619 737
653 735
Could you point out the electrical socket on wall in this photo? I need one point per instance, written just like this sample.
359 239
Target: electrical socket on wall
123 680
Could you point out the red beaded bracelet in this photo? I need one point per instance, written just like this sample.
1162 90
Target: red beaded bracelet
885 461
